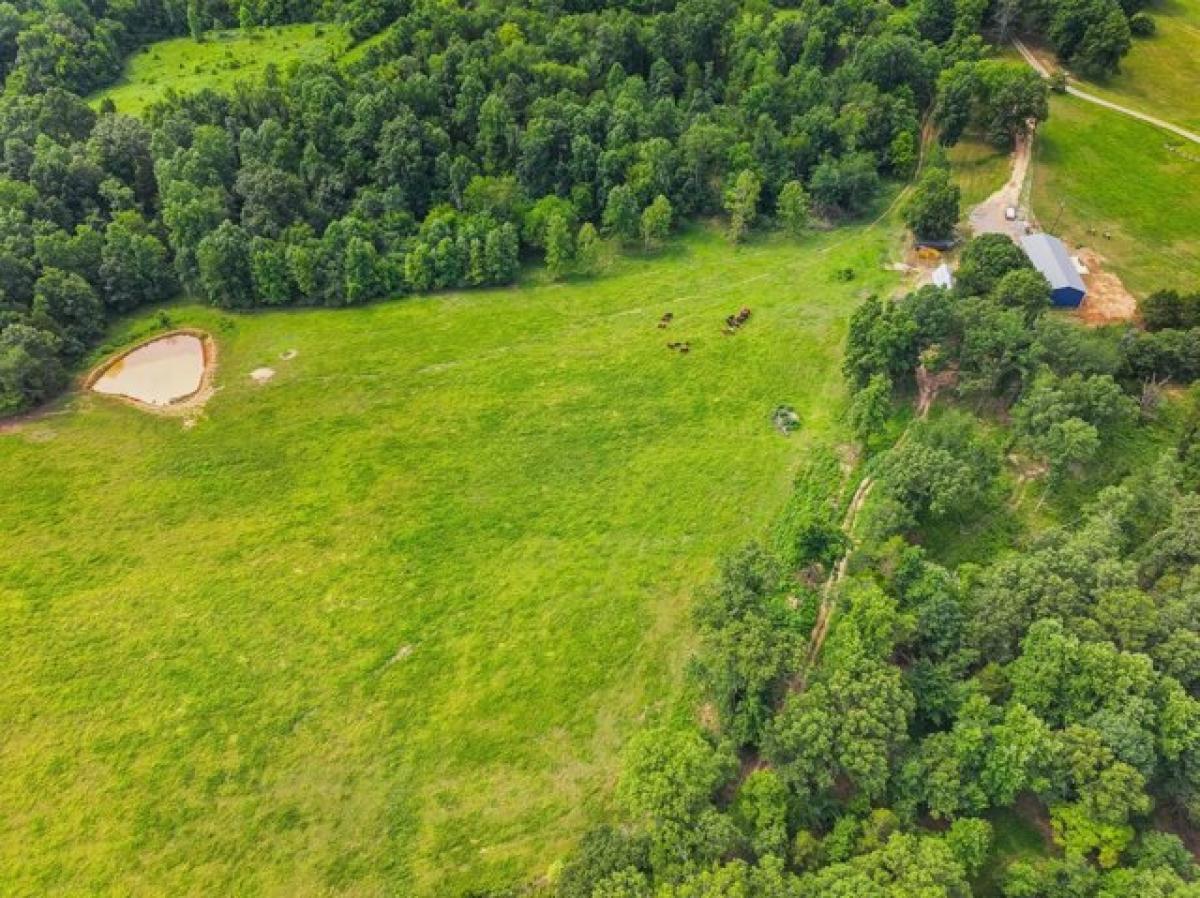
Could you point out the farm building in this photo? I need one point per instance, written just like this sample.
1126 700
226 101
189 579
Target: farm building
1051 258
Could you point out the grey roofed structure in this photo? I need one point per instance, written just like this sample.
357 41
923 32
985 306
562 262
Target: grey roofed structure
943 277
1051 258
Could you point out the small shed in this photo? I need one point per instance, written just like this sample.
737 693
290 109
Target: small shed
1050 257
943 277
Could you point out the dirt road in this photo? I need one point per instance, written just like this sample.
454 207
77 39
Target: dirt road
1044 70
989 216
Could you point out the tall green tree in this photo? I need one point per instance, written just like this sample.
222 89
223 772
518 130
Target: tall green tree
793 207
932 210
223 259
741 203
134 267
621 214
656 222
30 370
588 249
70 307
869 409
560 249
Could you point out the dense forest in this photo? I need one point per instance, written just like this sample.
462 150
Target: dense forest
462 142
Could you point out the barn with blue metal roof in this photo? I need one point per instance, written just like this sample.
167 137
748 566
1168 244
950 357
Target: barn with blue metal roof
1050 257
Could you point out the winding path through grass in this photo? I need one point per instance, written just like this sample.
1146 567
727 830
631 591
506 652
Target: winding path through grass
1041 68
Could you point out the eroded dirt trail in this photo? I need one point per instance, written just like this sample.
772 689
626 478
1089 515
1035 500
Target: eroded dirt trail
829 589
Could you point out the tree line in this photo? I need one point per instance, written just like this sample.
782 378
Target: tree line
463 142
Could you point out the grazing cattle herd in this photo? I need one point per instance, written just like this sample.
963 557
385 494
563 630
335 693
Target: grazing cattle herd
732 324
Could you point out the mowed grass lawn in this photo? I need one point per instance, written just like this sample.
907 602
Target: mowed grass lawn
1115 175
217 62
979 169
381 625
1161 73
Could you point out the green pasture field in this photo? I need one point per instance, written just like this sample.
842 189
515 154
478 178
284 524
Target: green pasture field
1097 172
1161 73
222 59
382 624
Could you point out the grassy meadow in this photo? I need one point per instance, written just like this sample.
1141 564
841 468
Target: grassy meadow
979 169
1112 174
1161 73
381 625
223 58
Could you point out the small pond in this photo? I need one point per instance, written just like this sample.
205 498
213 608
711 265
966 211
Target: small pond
160 372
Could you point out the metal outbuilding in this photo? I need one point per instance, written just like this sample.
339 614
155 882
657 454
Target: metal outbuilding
1050 257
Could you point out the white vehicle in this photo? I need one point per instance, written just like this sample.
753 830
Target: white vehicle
1010 213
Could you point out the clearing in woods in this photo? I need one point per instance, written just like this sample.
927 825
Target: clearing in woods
381 624
217 62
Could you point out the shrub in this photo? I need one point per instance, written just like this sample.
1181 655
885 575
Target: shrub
1142 25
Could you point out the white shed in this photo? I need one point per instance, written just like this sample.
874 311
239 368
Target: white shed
943 277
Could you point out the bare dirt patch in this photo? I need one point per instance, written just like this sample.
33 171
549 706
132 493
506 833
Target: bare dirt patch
920 262
1107 301
38 416
262 375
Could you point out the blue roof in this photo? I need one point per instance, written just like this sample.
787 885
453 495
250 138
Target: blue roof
1051 258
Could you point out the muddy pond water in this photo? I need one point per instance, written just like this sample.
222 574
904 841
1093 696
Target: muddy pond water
160 372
